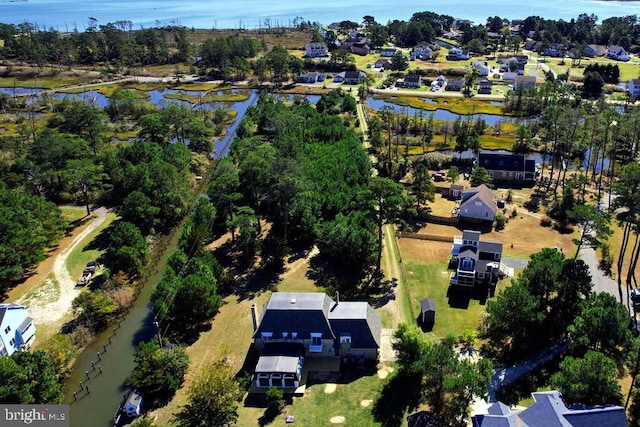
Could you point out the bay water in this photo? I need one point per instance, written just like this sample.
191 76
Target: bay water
69 15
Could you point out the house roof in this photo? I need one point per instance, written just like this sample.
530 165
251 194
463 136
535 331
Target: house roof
309 312
549 410
6 307
498 408
277 364
352 74
358 319
25 324
301 312
482 195
502 161
427 304
414 78
471 235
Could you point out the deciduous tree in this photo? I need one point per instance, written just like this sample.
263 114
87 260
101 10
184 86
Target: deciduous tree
212 399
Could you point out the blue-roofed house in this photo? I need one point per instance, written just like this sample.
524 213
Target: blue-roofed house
508 168
17 330
549 410
299 326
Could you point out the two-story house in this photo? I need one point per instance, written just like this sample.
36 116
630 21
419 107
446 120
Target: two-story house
413 80
482 67
316 50
353 77
618 53
485 85
456 54
509 168
475 261
477 206
634 88
422 51
299 326
17 330
388 52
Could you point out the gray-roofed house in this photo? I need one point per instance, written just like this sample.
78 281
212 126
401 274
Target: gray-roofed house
295 326
311 77
353 77
455 84
17 330
549 410
525 81
509 168
477 206
413 80
475 261
593 50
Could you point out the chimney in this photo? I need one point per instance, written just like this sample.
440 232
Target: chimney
254 316
337 297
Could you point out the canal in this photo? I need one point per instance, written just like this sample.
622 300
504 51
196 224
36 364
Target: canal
99 377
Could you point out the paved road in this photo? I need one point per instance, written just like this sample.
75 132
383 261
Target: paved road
504 376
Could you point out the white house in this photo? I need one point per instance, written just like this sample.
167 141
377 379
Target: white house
316 50
456 54
422 51
634 88
617 52
17 331
477 205
388 52
482 68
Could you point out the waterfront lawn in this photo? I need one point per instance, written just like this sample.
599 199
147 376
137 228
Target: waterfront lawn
91 248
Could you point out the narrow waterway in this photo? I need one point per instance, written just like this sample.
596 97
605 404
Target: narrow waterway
104 367
104 376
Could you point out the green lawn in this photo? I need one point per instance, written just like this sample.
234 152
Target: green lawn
88 250
628 70
73 213
432 281
353 401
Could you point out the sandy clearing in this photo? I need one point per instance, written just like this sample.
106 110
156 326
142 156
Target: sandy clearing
384 372
365 403
45 311
338 419
329 388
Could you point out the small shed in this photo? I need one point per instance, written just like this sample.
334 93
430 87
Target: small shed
428 311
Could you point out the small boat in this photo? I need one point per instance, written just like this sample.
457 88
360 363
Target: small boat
129 409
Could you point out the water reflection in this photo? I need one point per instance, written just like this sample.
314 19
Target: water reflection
439 114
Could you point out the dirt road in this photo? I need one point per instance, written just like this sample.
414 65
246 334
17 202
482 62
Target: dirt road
51 300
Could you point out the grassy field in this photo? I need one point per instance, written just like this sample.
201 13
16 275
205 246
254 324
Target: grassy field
73 213
90 249
628 70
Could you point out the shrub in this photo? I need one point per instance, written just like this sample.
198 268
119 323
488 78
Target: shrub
450 339
500 222
514 213
275 401
509 196
545 221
